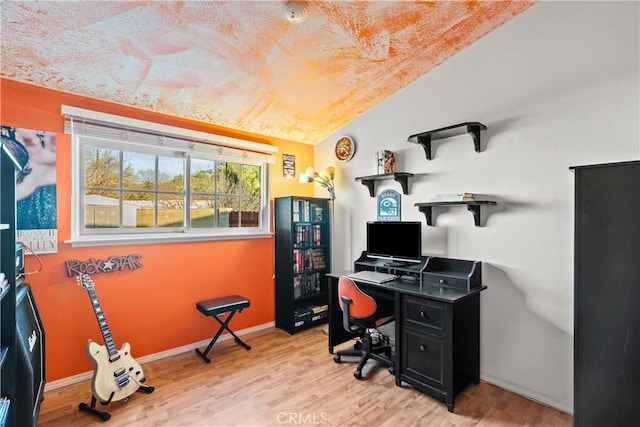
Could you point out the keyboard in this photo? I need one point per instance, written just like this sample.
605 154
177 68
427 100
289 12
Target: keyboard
373 276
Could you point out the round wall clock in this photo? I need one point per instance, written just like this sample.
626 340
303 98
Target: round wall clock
345 149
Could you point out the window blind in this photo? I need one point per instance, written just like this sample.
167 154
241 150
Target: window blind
93 124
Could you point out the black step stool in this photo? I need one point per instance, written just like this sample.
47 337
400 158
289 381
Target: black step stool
213 307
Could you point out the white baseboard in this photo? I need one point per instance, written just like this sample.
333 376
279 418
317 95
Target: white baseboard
157 356
566 407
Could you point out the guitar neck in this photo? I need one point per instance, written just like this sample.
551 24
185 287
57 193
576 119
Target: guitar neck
102 322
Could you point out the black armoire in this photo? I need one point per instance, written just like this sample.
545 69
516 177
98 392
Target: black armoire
607 295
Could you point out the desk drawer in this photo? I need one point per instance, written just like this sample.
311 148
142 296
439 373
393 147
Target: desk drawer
425 314
425 359
439 279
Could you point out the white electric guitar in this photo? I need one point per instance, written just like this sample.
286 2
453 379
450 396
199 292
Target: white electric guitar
116 374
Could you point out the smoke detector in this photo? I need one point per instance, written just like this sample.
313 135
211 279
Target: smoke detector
296 11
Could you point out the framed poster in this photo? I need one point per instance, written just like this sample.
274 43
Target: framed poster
289 166
389 206
36 204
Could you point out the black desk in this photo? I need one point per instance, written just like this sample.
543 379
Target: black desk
437 333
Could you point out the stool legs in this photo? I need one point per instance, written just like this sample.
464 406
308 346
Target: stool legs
224 325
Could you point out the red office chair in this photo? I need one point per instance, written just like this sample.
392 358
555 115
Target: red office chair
360 312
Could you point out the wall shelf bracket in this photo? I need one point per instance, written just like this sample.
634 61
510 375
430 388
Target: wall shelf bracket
475 210
400 177
472 206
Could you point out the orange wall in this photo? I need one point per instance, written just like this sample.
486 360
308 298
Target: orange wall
152 308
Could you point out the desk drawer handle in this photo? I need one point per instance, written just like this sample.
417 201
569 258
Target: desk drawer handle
423 347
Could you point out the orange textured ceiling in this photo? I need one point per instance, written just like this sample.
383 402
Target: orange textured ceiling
241 64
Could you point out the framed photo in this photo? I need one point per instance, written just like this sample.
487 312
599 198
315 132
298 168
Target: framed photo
289 166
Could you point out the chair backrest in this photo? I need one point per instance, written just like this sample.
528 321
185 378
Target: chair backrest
362 305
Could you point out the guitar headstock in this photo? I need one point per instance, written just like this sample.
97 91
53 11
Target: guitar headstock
84 281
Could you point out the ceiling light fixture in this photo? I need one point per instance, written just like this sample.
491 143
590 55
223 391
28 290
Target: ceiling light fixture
296 11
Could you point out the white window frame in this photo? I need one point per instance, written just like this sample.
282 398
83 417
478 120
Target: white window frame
111 131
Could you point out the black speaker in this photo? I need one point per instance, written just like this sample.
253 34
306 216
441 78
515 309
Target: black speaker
30 377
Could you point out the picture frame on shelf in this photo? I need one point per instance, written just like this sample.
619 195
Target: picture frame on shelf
389 207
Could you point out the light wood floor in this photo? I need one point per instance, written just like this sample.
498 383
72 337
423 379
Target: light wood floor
288 380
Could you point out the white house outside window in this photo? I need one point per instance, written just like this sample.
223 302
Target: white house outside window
150 185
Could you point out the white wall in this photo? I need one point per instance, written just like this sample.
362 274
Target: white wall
557 86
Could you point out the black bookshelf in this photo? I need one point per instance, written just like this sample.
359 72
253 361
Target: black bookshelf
8 331
302 261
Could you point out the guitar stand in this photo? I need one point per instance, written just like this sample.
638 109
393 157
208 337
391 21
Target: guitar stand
103 415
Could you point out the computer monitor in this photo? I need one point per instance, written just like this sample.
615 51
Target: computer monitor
399 242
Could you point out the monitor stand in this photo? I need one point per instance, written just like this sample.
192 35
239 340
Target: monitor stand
395 264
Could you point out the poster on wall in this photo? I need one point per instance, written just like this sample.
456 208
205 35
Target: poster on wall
289 166
389 206
37 219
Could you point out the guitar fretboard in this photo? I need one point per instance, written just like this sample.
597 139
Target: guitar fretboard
102 323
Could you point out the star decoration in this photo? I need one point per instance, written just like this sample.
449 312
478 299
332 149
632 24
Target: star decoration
108 265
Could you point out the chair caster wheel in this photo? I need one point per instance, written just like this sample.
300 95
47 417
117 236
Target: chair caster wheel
357 374
336 358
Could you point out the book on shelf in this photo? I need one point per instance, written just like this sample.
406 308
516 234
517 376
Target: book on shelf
306 284
308 313
460 197
295 211
305 211
302 314
389 161
297 287
301 311
319 308
386 161
318 316
317 213
306 234
317 259
306 260
300 211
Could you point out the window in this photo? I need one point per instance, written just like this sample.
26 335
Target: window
137 182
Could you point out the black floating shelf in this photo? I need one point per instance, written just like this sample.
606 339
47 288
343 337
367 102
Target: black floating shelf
425 138
370 181
472 206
